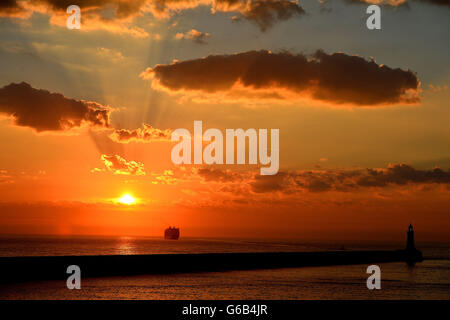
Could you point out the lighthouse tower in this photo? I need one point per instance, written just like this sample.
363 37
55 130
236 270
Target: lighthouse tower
410 239
411 254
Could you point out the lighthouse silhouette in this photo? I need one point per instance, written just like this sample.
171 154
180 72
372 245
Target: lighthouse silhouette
411 254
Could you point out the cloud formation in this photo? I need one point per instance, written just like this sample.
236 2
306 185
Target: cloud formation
352 180
335 78
316 181
263 13
46 111
118 165
219 186
401 174
117 15
194 35
145 134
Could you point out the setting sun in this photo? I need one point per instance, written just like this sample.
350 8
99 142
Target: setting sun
127 199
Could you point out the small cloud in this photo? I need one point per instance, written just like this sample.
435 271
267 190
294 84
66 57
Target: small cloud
145 134
167 177
118 165
194 35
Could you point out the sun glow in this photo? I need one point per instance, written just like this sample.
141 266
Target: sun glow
127 199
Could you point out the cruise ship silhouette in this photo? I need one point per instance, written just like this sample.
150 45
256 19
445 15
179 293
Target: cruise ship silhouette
172 233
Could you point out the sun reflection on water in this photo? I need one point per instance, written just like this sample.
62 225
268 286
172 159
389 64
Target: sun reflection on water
126 245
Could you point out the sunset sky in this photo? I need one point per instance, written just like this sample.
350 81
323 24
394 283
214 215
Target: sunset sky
86 117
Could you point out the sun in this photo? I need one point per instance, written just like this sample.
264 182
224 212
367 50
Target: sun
127 199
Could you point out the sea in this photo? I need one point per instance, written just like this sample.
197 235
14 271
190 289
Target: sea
429 279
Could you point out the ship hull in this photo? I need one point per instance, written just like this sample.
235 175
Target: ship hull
172 234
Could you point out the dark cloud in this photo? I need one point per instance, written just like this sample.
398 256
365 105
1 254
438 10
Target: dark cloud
9 5
45 111
337 78
318 185
401 174
291 182
342 180
262 184
11 8
265 13
212 174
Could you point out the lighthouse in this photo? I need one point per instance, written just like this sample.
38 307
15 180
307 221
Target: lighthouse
411 254
410 239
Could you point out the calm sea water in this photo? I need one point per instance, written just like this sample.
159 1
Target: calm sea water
427 280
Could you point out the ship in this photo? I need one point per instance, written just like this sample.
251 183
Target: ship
172 233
